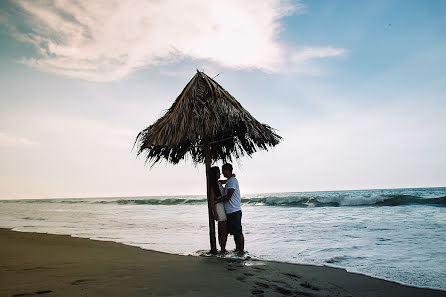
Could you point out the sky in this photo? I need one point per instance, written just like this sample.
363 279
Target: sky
357 90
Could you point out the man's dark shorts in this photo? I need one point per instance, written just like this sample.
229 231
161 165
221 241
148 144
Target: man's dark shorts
234 222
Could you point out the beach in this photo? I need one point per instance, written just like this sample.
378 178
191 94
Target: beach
397 235
61 265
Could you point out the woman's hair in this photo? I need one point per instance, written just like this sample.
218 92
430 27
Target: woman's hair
213 180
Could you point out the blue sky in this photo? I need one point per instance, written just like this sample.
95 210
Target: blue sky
356 88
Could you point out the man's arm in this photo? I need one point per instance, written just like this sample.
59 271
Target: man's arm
227 196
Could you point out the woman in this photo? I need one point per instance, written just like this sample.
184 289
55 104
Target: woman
218 208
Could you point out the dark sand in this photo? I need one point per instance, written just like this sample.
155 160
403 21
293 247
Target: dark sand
37 264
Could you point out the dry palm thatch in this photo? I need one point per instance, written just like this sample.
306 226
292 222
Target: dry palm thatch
204 114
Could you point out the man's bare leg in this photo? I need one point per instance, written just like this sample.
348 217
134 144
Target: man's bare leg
239 244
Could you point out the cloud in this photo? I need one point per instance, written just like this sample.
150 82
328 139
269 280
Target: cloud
308 53
106 40
305 60
10 140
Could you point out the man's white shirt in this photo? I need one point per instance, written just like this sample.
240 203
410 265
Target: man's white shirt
233 204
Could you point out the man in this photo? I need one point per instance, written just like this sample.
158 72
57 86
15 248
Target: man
233 210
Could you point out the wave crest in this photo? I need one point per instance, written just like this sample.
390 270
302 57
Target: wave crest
336 201
302 201
170 201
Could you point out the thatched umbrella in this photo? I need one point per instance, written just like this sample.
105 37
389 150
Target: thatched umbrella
206 123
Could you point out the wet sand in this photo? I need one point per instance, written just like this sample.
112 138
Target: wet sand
38 264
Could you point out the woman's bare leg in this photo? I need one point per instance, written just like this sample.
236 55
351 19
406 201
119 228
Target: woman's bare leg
222 235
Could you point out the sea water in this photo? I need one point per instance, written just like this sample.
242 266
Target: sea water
397 234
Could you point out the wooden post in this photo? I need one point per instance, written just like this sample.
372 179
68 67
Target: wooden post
207 161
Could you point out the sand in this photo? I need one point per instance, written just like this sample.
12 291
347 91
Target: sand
38 264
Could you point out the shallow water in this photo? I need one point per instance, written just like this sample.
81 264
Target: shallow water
392 234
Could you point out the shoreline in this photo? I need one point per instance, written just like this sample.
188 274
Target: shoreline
203 253
62 265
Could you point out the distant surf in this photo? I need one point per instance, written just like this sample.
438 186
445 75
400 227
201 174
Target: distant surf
293 201
323 199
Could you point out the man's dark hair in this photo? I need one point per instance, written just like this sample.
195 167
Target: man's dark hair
227 166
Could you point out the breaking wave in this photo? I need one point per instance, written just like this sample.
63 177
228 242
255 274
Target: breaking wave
379 200
170 201
302 201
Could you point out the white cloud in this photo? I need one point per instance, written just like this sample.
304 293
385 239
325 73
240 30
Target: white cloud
308 53
12 140
106 40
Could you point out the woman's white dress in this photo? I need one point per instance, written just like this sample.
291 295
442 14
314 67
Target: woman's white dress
220 206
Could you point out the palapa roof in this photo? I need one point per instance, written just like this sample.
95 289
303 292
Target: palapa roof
204 112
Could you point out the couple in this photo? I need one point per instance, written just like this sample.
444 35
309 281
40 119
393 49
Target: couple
226 207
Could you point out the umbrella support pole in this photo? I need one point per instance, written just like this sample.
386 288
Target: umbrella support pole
207 161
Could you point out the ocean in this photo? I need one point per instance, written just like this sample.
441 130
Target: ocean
394 234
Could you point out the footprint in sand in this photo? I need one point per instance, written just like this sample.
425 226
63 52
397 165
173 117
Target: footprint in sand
263 285
307 285
292 276
79 281
29 294
34 268
43 292
278 281
257 292
283 291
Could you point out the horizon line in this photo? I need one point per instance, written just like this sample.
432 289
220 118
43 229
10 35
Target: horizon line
204 195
